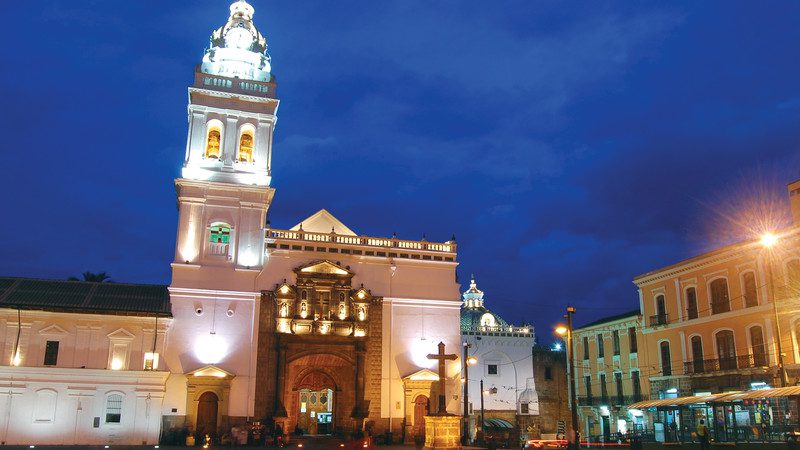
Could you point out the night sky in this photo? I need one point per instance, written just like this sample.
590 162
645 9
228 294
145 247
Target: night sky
569 146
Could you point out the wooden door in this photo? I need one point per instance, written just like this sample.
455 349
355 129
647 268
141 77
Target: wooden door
421 408
207 408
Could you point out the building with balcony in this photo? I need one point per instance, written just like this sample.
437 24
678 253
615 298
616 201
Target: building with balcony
717 322
608 374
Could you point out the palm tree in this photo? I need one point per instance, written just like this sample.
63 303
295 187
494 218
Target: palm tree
100 277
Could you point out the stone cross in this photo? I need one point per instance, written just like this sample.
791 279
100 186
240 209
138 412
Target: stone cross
441 357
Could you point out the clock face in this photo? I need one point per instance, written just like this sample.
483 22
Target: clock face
239 38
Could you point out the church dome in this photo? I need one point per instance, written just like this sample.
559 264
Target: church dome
238 49
476 317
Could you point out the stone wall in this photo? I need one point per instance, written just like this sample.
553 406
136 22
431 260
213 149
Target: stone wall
553 396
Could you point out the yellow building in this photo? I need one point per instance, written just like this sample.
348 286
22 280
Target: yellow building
705 325
710 324
609 375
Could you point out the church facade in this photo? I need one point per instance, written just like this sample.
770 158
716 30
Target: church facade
312 326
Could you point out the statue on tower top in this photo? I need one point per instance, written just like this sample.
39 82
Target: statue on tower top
238 49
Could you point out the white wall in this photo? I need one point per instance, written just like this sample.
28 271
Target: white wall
58 406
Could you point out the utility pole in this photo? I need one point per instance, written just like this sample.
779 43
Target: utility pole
573 399
781 368
465 436
483 435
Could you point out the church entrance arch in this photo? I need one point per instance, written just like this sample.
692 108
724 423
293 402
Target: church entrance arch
421 409
207 409
315 393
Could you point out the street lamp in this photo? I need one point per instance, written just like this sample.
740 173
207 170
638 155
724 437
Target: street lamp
468 361
768 241
566 332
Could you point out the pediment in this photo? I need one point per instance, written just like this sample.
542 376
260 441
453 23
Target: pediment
422 375
323 267
211 371
53 330
121 333
324 222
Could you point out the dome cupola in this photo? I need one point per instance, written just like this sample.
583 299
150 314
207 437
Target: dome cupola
238 49
473 297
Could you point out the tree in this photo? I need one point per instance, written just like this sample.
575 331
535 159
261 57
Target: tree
100 277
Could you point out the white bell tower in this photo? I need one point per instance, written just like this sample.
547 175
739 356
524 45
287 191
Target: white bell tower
224 190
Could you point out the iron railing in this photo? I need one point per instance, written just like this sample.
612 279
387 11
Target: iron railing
701 366
659 319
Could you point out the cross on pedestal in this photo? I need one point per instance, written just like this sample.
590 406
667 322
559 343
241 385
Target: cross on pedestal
441 357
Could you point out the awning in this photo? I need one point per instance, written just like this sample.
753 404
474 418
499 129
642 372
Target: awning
677 401
497 424
761 393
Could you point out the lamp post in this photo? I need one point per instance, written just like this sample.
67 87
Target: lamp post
768 241
566 331
483 432
468 361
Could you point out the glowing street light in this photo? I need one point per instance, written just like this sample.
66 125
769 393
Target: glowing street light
768 240
561 330
472 360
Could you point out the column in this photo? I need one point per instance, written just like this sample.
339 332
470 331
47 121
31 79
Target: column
360 377
230 141
280 380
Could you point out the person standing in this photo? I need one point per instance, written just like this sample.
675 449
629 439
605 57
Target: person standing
702 435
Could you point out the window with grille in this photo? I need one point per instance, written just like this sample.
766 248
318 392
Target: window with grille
750 290
691 303
220 233
114 408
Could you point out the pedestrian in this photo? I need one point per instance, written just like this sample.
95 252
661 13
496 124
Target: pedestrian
702 435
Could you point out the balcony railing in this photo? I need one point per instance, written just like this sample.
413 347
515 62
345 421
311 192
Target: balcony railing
659 319
613 400
394 244
235 85
702 366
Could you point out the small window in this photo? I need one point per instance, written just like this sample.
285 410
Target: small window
632 340
220 233
615 340
246 147
600 347
523 408
114 408
585 347
548 373
491 369
51 353
212 142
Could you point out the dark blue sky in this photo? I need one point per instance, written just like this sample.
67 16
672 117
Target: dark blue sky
568 145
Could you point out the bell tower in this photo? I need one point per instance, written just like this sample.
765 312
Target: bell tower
224 190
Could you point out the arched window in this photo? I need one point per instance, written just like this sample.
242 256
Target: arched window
757 347
661 311
726 350
219 238
213 140
691 303
114 408
220 233
246 146
303 295
749 289
720 301
666 359
698 361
